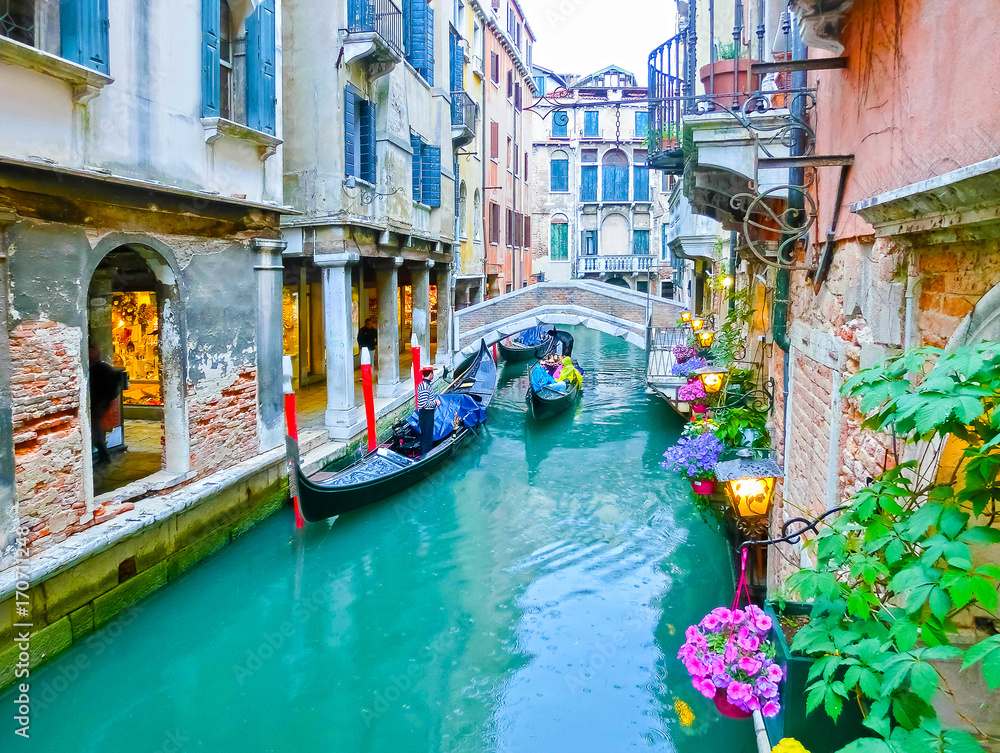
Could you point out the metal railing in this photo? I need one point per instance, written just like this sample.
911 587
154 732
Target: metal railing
463 111
382 17
669 84
626 264
660 354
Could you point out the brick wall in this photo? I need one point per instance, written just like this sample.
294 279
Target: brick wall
46 379
223 422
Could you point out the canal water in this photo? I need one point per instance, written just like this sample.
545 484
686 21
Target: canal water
531 596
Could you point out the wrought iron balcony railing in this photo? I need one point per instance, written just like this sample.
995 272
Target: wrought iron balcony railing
463 111
382 17
669 85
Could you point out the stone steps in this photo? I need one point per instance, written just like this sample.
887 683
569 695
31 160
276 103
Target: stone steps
321 455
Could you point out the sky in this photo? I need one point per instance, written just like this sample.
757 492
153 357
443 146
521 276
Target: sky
583 36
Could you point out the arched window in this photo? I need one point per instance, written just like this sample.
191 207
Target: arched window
477 216
463 219
559 171
559 238
225 61
614 176
614 234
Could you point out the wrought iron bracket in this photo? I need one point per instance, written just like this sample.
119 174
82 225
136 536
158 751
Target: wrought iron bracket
795 536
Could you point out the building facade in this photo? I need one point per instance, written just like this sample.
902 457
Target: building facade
507 194
140 181
599 212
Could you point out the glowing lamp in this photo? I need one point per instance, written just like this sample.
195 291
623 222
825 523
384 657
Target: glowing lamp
705 339
686 317
697 324
727 281
749 481
712 378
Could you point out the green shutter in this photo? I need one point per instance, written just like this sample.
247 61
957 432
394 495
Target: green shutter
350 116
640 243
210 58
260 61
558 241
430 178
83 32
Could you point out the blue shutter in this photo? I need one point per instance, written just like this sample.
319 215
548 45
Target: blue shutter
640 243
260 61
369 160
559 178
588 183
641 124
430 179
210 58
428 71
83 31
641 183
350 116
457 64
590 123
417 145
417 53
615 183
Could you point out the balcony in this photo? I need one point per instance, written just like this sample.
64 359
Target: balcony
625 264
374 35
668 88
464 113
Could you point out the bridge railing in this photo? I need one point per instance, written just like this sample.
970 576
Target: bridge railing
660 358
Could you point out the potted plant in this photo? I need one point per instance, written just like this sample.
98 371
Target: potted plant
684 353
687 367
694 393
729 73
695 457
730 658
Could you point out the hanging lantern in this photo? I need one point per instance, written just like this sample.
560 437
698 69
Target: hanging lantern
697 324
749 482
705 338
712 378
686 317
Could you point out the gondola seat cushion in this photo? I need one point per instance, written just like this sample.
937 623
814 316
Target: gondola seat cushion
465 407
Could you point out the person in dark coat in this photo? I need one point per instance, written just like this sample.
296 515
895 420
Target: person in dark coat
426 403
105 384
368 336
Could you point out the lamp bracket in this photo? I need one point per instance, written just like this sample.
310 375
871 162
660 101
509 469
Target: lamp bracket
795 536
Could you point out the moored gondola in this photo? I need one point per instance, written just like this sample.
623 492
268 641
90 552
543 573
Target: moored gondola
544 402
397 465
527 344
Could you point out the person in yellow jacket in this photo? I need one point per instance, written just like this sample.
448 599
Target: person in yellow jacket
570 374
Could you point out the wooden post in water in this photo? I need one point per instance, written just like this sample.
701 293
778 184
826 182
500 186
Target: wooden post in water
366 385
415 350
292 429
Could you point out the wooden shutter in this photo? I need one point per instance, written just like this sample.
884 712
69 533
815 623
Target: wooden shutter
495 67
494 140
350 118
641 183
457 64
558 241
517 96
494 222
430 176
261 97
641 124
369 160
527 230
590 123
640 243
560 175
418 148
526 165
615 183
83 32
428 71
417 51
210 16
588 183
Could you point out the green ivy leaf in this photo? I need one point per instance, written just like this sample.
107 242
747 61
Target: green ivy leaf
953 520
980 535
925 517
868 745
985 593
923 680
988 652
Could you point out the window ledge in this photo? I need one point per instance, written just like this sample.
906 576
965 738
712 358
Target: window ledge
421 205
216 128
86 83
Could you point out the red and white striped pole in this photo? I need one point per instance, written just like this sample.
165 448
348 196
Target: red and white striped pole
292 429
366 386
415 350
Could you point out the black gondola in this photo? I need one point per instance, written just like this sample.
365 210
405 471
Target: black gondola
530 343
398 465
548 402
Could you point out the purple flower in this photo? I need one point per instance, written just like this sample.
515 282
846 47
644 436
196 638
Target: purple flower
774 673
684 353
760 621
771 708
689 366
722 680
710 622
704 686
738 692
765 688
749 665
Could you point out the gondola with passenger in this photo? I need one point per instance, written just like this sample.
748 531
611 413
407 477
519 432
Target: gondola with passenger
548 395
397 464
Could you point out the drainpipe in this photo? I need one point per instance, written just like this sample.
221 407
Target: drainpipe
732 272
779 327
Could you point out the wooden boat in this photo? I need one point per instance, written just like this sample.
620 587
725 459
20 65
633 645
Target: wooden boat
552 343
396 465
527 344
547 402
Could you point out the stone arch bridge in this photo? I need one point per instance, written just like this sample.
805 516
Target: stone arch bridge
597 305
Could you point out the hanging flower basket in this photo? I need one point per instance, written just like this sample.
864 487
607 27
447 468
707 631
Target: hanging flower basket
699 408
730 658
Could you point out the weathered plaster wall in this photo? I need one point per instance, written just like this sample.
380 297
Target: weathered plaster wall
8 505
147 123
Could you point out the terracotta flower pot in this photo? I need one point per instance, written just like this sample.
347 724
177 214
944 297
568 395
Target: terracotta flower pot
703 486
727 709
723 78
699 408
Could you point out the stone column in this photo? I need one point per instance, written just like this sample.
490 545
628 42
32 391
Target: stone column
445 309
341 412
270 401
420 275
387 285
305 304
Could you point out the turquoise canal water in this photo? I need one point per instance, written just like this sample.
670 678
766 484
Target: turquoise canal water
531 596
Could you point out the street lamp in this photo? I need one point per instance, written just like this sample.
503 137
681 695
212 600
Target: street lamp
705 338
712 378
697 324
749 483
686 317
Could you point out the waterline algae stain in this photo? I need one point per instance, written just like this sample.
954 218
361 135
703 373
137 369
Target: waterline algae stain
523 598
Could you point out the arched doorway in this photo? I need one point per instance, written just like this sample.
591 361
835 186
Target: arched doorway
134 367
618 282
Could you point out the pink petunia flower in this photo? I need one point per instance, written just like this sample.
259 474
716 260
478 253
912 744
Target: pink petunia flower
749 665
774 673
704 686
771 708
